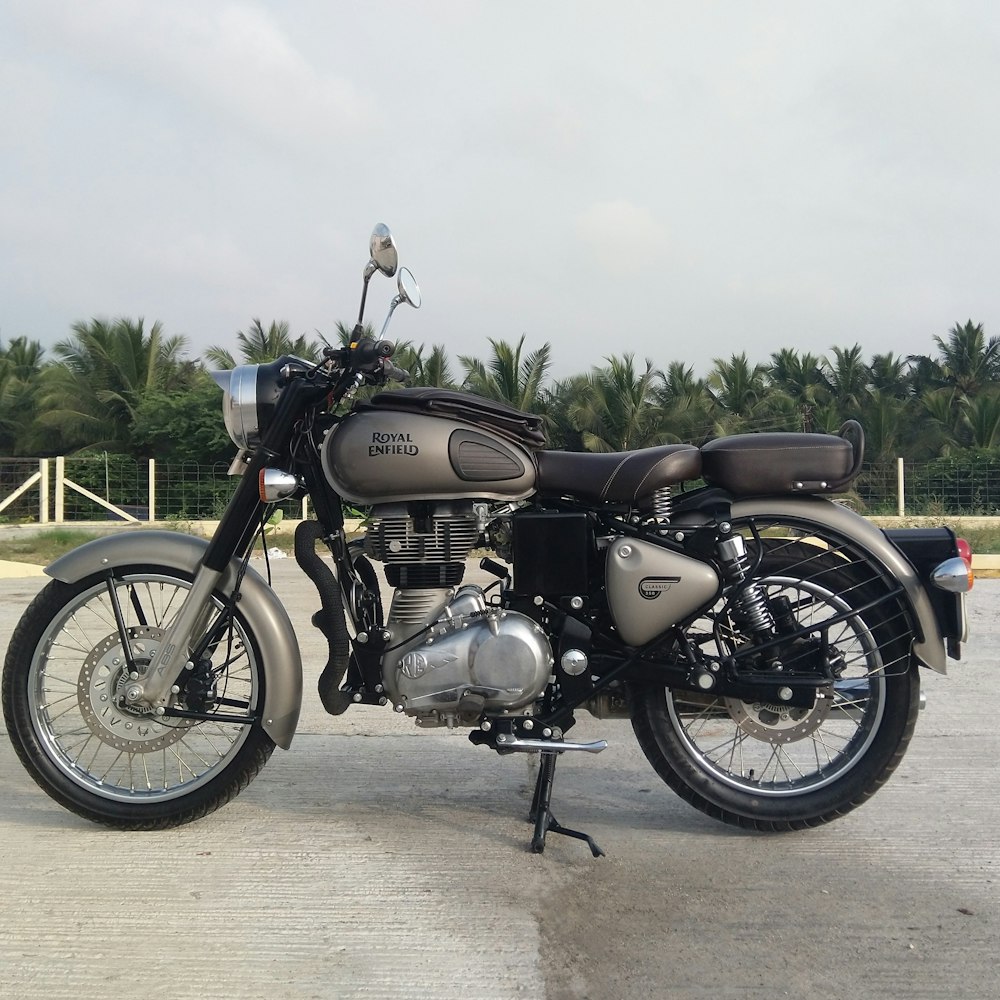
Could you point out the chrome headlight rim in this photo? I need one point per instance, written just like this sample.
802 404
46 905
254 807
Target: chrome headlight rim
250 393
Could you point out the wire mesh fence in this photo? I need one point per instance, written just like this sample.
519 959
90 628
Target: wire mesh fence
115 487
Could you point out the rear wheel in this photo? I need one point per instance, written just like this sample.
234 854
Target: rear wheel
65 704
778 767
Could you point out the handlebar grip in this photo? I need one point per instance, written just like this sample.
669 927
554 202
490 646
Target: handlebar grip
367 352
396 374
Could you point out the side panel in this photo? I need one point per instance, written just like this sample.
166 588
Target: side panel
928 646
381 457
259 604
650 589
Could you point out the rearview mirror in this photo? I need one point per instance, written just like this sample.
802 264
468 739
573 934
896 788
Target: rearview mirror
383 250
409 290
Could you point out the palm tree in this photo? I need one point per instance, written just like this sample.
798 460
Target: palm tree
801 380
891 375
434 370
510 375
968 361
941 424
258 345
847 378
981 417
884 427
92 393
619 412
685 405
737 389
558 403
20 369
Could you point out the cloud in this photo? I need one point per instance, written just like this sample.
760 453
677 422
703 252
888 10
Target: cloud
622 237
231 61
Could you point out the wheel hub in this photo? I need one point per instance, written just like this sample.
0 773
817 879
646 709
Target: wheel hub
777 723
103 695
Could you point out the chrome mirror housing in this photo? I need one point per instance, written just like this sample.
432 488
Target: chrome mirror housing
409 290
383 251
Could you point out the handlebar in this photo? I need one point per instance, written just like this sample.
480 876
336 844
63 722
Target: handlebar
396 374
362 355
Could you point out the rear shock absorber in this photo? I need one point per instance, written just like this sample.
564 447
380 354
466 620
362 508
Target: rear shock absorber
749 599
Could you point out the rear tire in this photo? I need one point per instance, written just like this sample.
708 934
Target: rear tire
67 720
774 767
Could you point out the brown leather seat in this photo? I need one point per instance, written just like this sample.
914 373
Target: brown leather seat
748 464
616 477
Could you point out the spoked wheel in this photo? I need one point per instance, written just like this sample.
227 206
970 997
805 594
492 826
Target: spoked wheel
771 766
68 712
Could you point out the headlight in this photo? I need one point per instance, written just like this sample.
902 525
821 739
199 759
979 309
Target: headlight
250 393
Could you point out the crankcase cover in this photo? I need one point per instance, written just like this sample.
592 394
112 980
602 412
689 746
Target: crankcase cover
378 457
651 588
501 658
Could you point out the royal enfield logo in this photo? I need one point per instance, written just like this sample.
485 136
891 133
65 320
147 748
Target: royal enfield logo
415 664
389 443
651 587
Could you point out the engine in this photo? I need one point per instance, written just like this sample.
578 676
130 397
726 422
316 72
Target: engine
451 656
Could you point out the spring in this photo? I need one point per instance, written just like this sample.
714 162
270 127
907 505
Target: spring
749 601
753 608
662 504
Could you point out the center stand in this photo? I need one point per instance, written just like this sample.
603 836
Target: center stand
541 814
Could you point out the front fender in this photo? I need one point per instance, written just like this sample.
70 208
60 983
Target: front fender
267 618
928 645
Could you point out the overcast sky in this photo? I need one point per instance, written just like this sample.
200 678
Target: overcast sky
683 181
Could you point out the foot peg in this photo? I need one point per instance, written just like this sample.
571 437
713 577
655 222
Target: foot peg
510 741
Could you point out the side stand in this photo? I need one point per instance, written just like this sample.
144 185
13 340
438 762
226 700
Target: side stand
541 815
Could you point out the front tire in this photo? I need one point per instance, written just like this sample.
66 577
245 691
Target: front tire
69 724
775 767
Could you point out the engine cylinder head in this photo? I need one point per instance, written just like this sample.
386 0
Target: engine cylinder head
443 533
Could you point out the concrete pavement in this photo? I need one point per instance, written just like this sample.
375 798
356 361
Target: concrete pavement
377 860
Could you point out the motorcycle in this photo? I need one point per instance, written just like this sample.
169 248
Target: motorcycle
764 640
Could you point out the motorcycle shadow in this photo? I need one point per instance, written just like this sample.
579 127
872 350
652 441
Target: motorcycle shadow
434 783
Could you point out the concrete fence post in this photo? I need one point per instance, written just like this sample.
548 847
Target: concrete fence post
152 489
60 487
900 488
43 491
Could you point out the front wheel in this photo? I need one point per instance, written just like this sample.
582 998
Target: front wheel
778 767
63 699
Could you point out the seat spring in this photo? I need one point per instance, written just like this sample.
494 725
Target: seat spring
663 506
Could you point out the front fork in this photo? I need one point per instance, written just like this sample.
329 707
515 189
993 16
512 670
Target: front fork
232 538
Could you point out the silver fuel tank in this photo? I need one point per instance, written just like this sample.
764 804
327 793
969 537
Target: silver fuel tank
379 457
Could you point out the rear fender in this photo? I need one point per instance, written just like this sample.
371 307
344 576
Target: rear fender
259 605
928 645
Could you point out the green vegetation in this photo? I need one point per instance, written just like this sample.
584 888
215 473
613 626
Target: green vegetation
122 388
42 547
